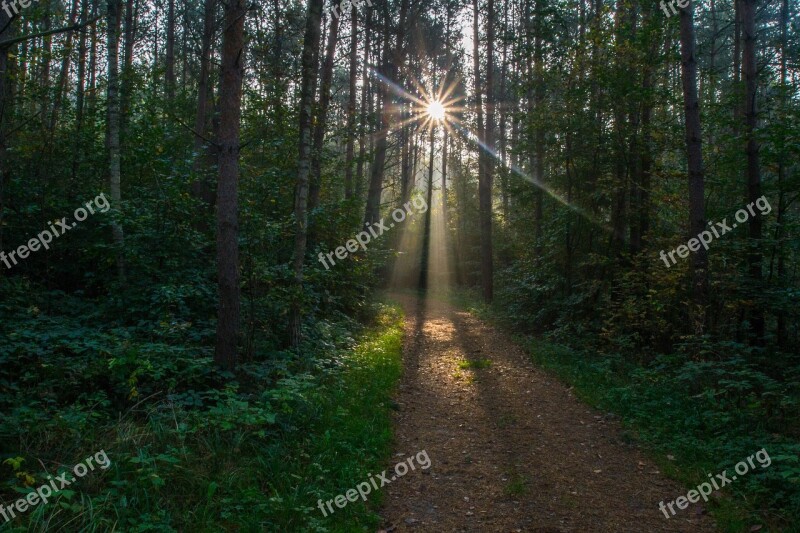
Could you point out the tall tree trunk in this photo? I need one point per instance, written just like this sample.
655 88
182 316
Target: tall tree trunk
781 334
351 107
5 112
113 133
227 188
170 76
538 67
200 187
694 148
128 42
750 69
737 62
80 93
322 115
486 273
405 156
365 95
424 270
63 75
393 58
309 74
91 100
485 185
47 56
445 145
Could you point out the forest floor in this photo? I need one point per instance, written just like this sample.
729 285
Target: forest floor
511 448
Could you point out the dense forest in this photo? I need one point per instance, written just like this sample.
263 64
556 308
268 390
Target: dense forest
306 238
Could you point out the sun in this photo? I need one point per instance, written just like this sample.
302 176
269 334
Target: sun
436 110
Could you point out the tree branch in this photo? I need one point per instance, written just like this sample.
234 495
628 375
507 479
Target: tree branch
11 42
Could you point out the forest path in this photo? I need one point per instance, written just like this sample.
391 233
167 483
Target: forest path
511 448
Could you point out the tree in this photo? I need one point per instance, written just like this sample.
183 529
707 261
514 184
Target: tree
694 149
200 187
322 115
113 131
170 77
351 107
750 69
393 59
227 187
309 74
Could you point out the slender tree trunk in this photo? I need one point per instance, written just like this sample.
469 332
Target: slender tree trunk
80 93
322 116
309 73
424 271
200 187
5 112
781 334
113 133
63 75
405 157
738 110
47 55
351 108
128 42
365 95
445 146
485 186
694 149
750 69
91 100
393 59
227 188
538 67
170 77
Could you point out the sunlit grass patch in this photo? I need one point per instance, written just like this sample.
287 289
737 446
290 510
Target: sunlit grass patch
471 364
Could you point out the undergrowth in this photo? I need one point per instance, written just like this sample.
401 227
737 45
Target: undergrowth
191 449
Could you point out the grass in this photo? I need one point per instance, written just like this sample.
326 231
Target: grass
471 364
517 486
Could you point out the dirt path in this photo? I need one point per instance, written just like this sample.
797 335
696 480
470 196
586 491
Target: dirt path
511 448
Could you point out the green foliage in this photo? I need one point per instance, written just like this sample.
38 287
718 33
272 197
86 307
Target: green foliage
186 454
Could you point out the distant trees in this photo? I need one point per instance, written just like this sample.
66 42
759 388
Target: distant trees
586 113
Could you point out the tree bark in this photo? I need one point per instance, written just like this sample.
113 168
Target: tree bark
200 187
486 176
309 73
351 107
170 75
322 115
227 188
694 150
750 70
113 133
365 95
5 112
392 59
